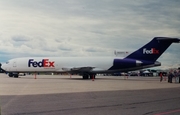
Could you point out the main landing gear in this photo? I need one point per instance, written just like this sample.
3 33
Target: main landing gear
87 76
15 75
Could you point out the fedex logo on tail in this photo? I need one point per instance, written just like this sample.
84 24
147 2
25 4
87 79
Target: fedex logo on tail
44 63
151 51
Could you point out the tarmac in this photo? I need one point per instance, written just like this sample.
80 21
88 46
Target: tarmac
62 94
48 84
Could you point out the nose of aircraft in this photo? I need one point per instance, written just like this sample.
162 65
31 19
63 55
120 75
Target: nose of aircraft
3 67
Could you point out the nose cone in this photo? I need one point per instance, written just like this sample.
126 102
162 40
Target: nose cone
3 67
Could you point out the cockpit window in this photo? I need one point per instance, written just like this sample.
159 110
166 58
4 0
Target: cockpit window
7 62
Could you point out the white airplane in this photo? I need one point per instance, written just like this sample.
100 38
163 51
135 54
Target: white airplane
88 67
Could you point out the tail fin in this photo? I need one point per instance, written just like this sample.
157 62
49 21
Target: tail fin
154 49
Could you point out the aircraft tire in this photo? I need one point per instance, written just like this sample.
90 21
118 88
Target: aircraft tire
10 75
16 75
85 76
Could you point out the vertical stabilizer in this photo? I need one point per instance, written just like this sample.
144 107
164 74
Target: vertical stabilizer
154 49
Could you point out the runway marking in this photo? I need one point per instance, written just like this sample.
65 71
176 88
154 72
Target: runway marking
169 112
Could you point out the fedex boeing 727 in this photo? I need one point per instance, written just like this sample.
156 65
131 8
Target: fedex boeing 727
88 67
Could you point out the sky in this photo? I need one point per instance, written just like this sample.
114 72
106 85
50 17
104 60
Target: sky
64 28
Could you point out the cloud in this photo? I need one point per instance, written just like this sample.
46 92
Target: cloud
65 47
20 39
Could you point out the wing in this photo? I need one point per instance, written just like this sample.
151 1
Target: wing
78 69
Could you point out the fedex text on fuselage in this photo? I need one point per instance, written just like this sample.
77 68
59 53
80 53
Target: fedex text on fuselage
44 63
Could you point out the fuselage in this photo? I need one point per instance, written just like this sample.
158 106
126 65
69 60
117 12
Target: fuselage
66 64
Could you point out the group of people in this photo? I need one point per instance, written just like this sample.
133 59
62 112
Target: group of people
170 76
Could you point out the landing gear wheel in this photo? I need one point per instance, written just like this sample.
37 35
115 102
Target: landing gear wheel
85 76
16 75
10 74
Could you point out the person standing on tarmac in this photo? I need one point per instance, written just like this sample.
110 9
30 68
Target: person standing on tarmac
170 76
179 76
161 76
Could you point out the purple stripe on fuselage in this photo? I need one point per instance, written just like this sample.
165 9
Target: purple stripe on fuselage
128 63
